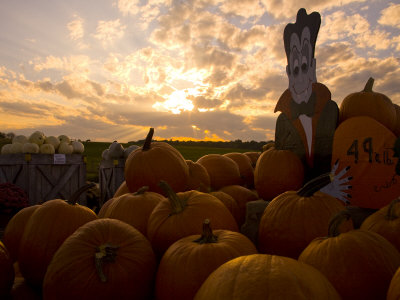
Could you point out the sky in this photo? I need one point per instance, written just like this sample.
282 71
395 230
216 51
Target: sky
109 70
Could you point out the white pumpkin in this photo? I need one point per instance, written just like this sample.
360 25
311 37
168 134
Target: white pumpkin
105 154
30 148
65 148
116 150
53 141
64 138
77 147
6 149
20 139
47 149
130 149
37 137
16 147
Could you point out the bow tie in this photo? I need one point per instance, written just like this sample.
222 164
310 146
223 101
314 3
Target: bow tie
303 108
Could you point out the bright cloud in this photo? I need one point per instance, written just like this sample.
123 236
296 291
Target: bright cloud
390 16
109 31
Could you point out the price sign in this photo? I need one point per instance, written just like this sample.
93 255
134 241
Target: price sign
367 147
59 159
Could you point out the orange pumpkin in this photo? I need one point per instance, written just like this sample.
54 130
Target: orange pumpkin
359 263
182 214
264 276
104 207
293 219
230 203
246 169
15 229
253 155
367 147
103 259
277 171
198 177
386 222
369 103
122 189
47 228
153 162
134 208
189 261
6 271
394 287
22 290
221 169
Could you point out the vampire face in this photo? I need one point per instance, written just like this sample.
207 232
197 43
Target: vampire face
301 66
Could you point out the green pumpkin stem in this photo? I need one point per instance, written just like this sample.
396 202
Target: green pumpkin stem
142 190
315 185
104 254
177 204
336 221
75 196
207 236
369 85
391 214
147 142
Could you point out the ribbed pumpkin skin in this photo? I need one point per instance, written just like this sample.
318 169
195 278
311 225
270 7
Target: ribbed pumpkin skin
15 229
72 273
104 207
358 263
49 225
263 276
6 272
134 209
245 167
198 177
222 170
394 287
290 222
122 189
253 155
230 203
277 171
164 228
149 167
187 264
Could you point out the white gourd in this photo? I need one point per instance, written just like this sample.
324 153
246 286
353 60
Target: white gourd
65 148
130 149
78 147
20 139
47 149
6 149
116 150
37 137
105 154
64 138
52 140
16 148
30 148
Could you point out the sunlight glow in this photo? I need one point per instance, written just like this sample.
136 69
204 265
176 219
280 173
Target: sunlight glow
176 103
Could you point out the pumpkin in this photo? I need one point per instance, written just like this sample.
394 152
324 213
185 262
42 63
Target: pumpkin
182 214
221 169
264 276
6 271
6 149
293 219
189 261
115 150
394 287
53 141
104 207
16 147
65 148
22 290
37 137
20 139
105 154
103 259
64 138
246 169
386 222
369 103
153 162
122 189
47 149
77 147
277 171
396 129
15 229
268 145
253 155
134 208
47 228
30 148
198 177
130 149
359 263
367 147
230 203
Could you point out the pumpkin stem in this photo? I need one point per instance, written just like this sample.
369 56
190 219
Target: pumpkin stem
142 190
369 85
391 214
177 204
207 236
315 185
75 196
104 254
147 142
336 221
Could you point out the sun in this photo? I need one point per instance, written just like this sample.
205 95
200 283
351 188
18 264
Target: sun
176 103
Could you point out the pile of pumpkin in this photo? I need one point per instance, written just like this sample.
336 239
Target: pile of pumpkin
117 151
38 142
172 231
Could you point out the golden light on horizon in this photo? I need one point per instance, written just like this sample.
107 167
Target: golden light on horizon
176 103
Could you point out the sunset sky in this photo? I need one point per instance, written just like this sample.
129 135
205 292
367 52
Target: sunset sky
202 70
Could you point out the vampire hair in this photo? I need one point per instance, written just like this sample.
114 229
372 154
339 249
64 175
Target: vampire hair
312 21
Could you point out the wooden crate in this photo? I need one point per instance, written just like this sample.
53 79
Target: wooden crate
111 176
45 176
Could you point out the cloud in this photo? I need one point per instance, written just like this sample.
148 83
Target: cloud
75 28
390 16
109 31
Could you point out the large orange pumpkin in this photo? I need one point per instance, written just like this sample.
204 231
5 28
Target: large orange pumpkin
277 171
182 214
367 147
264 276
189 261
369 103
246 169
122 189
47 228
394 287
198 177
253 155
154 162
294 218
6 272
103 259
359 263
230 203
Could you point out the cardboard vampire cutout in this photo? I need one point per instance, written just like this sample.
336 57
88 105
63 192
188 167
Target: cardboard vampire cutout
308 118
